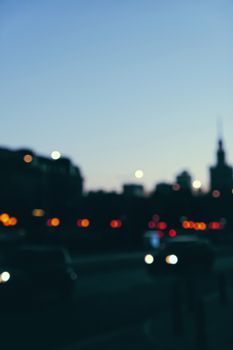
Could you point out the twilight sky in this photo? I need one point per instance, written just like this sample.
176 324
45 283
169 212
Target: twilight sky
118 85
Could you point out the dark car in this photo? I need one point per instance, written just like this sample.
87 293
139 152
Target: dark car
36 273
181 254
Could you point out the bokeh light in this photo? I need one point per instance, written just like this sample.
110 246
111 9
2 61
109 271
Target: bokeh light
149 259
172 233
13 221
5 276
84 223
171 259
115 223
162 225
4 218
176 187
55 155
139 174
216 194
196 184
152 224
28 158
38 212
53 222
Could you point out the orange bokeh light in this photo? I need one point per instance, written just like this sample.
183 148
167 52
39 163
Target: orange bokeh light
53 222
38 212
28 158
198 226
13 221
7 223
4 218
186 224
85 223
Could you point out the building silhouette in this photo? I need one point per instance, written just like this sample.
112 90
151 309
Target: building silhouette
163 188
133 190
30 181
184 180
221 173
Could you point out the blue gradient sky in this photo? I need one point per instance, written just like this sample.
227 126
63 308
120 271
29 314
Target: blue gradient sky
118 84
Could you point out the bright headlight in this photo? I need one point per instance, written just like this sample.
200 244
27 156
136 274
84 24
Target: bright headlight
4 277
171 259
149 259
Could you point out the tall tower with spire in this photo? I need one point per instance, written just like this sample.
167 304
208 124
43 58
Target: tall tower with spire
221 174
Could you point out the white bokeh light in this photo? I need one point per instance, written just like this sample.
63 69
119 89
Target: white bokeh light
196 184
55 155
5 276
149 259
171 259
139 174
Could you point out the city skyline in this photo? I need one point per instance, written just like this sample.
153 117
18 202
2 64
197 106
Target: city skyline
220 173
120 87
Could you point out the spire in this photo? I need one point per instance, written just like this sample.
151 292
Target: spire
220 129
220 152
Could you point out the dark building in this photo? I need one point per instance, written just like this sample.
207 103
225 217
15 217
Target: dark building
221 173
163 188
133 190
29 181
184 180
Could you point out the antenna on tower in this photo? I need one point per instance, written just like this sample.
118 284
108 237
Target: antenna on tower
220 128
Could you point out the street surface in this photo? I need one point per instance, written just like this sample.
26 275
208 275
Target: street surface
106 303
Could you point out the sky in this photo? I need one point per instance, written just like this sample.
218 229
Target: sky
118 85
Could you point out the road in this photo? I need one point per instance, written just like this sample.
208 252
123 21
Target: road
105 302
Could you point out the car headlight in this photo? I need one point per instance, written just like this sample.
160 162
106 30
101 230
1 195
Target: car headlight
171 259
4 277
149 259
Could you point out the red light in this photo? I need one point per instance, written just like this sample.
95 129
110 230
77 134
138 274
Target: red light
172 233
176 187
49 222
160 234
119 223
215 225
79 223
151 224
115 224
162 225
216 194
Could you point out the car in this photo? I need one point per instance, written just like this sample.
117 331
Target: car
37 274
182 254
